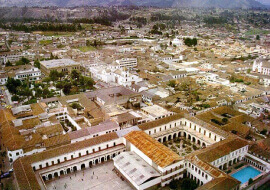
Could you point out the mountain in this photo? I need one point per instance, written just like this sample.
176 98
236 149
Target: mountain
158 3
265 2
218 3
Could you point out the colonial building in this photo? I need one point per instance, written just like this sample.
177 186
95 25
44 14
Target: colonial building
261 65
60 65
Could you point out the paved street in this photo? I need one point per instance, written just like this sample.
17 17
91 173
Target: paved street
98 177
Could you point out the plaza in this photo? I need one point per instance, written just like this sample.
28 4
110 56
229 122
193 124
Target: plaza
99 176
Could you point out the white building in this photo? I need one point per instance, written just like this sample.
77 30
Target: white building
261 66
15 56
127 62
34 74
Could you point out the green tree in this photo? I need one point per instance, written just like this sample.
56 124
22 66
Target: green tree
173 184
12 85
190 42
67 88
172 83
224 120
54 75
37 64
250 181
15 98
45 92
75 74
23 61
38 92
188 184
258 37
8 64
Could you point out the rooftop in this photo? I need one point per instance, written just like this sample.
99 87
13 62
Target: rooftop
160 154
135 167
58 63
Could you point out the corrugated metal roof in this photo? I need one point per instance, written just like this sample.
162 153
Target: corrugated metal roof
135 167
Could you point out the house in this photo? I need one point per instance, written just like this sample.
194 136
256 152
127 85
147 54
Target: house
261 65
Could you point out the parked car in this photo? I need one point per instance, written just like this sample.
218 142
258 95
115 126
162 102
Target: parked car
5 175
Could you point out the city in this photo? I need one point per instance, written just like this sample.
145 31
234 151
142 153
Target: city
120 95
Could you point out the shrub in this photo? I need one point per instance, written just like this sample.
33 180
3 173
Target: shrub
250 181
173 184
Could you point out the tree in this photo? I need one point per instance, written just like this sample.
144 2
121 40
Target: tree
172 83
46 92
173 184
190 42
67 88
61 75
258 37
23 61
224 120
12 85
54 75
26 92
38 92
75 74
188 184
8 64
250 181
15 98
37 64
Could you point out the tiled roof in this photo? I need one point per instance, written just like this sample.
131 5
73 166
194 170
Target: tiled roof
24 172
160 154
221 149
153 124
221 183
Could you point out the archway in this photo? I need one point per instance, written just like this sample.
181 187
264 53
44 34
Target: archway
230 162
159 140
82 166
102 159
199 142
55 174
224 166
169 137
61 172
90 163
108 157
164 139
185 135
113 155
189 137
203 145
193 139
74 168
44 178
50 176
179 134
96 161
68 170
174 135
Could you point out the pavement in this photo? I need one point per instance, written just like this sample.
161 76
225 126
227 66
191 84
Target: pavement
99 177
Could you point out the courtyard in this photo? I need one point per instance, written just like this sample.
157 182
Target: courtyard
100 176
181 146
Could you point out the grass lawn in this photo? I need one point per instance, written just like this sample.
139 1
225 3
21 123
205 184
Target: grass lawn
45 42
87 26
53 33
256 31
87 48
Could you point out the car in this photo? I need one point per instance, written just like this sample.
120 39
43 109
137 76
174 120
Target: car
5 175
